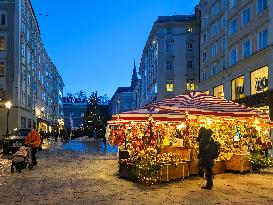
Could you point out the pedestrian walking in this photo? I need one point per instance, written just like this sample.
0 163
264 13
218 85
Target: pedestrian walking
206 160
33 139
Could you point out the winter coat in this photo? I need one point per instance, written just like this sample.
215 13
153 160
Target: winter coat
205 157
33 138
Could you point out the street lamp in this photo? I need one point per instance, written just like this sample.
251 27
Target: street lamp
8 106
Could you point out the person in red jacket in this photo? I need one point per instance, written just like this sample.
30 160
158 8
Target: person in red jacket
33 139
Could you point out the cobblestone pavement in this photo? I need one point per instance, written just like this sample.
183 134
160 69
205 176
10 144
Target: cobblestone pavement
69 174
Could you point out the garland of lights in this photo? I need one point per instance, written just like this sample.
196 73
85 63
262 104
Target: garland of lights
146 141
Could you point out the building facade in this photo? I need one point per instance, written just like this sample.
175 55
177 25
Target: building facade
28 77
170 59
236 49
126 98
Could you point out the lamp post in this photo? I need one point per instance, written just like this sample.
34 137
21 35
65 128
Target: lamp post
8 106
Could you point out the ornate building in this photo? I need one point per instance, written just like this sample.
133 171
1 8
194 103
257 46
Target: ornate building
170 59
236 51
28 77
125 98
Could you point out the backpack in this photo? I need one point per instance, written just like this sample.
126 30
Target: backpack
214 149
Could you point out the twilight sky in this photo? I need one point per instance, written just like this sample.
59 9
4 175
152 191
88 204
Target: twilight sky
93 43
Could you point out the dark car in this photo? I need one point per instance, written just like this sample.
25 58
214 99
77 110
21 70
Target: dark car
14 140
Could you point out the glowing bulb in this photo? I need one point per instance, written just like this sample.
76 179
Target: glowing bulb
209 122
181 126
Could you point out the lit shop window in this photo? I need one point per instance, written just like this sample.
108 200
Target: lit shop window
169 86
237 88
259 80
218 91
206 92
190 84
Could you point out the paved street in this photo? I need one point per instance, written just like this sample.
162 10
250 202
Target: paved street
81 172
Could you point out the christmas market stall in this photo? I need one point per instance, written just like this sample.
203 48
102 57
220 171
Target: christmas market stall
158 142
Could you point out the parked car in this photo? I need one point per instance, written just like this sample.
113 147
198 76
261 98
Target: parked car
14 140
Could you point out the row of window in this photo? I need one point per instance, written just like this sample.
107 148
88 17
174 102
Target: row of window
169 64
190 85
170 30
233 25
247 50
27 123
262 40
261 5
169 47
258 83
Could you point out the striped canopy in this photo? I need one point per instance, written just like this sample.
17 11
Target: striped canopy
196 103
143 114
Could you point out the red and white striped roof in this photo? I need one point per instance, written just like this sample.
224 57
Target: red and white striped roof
143 114
195 103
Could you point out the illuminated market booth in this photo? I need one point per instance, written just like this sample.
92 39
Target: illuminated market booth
158 142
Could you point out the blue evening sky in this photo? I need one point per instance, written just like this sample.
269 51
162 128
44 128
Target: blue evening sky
93 42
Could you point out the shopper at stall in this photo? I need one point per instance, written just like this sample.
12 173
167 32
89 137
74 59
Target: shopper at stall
205 157
33 139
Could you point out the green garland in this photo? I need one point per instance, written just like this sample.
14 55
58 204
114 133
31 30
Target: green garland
260 161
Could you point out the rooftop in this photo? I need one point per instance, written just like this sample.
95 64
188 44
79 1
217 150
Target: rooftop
176 18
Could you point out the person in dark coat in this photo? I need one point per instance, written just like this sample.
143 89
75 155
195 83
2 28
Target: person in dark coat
205 158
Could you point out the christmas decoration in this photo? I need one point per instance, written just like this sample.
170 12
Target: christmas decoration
93 120
167 144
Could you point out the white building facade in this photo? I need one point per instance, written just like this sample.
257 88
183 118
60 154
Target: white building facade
236 49
28 77
170 60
